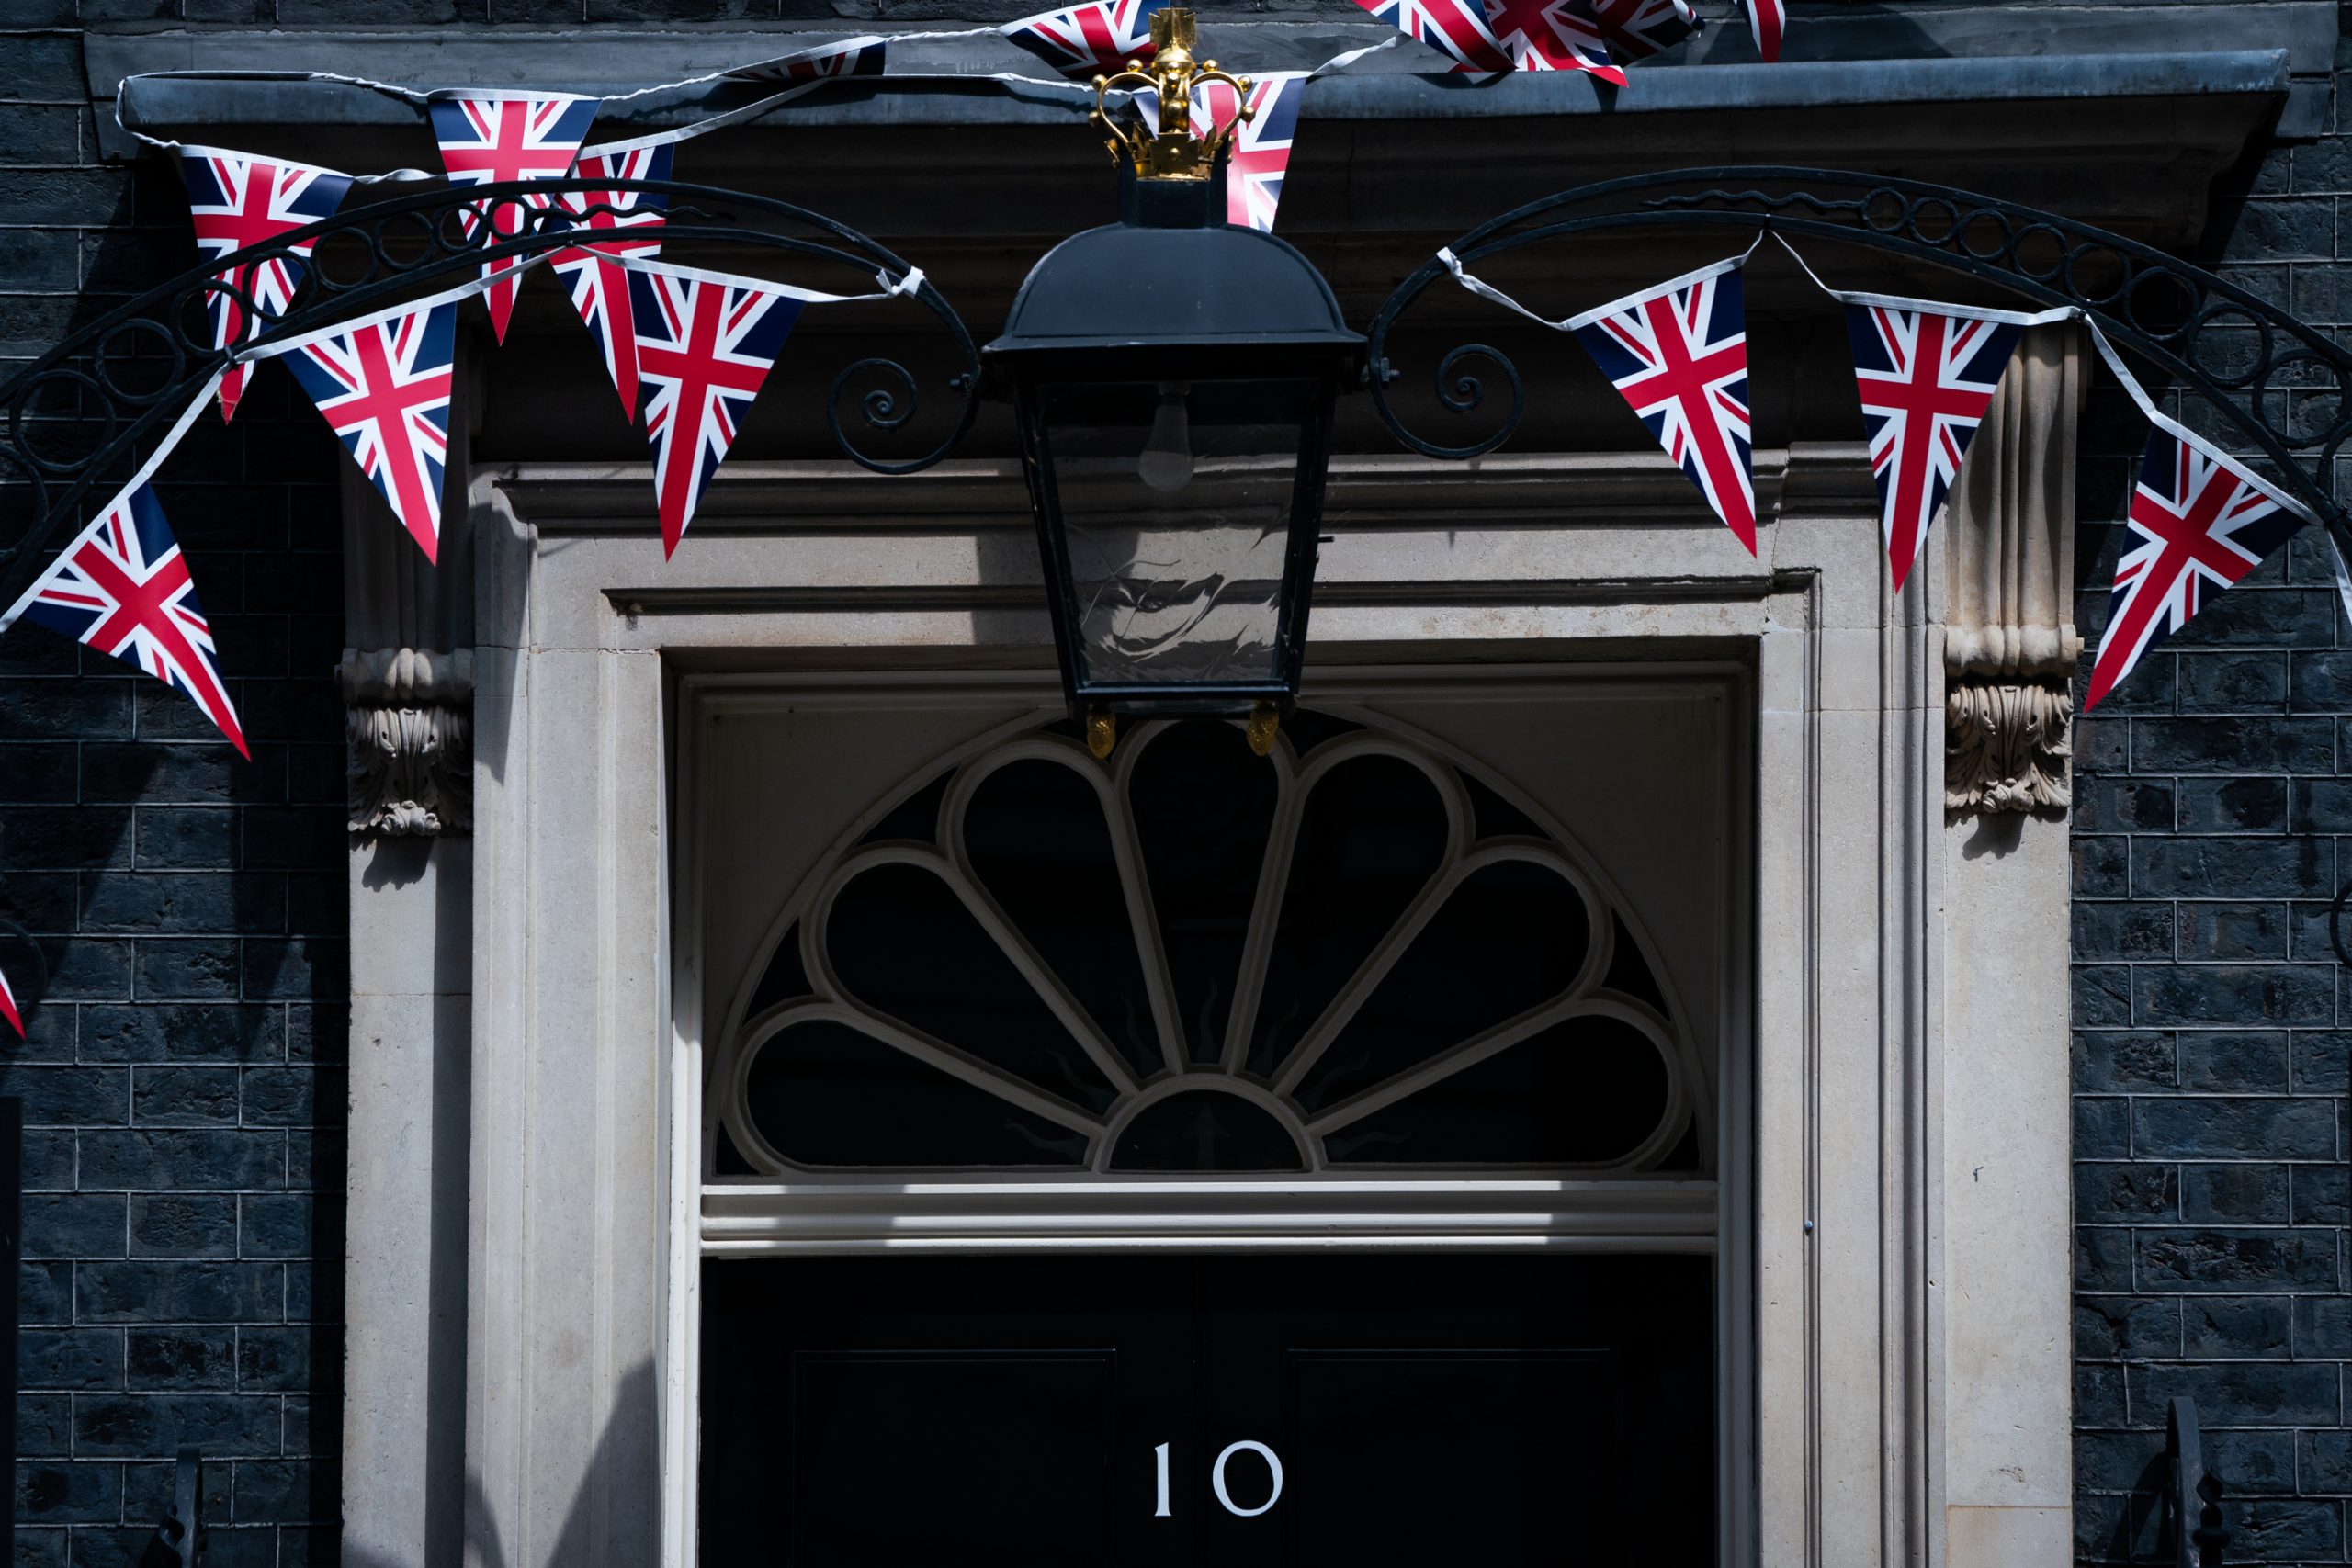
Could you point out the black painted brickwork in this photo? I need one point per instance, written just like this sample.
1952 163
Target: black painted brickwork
2212 1025
183 1076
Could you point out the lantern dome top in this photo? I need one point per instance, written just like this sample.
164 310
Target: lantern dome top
1232 293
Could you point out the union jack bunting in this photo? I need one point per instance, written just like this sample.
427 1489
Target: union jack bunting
1635 30
1261 154
1552 35
1679 356
851 57
383 383
2198 524
1767 19
1927 376
1260 149
8 1007
237 201
1090 40
490 137
1456 26
123 588
704 343
593 274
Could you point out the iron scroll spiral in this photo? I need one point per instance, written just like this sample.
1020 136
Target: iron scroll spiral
74 415
2282 385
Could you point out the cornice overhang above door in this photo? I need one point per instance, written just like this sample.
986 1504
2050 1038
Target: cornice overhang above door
2131 142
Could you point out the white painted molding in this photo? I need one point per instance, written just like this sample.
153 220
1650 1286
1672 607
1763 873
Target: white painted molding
782 1219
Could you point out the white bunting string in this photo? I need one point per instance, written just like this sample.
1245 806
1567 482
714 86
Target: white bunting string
146 471
1452 265
2175 428
765 70
1940 307
888 288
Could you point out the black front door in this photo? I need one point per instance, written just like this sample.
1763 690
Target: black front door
1312 1411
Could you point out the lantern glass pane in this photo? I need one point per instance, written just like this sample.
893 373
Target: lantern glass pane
1175 502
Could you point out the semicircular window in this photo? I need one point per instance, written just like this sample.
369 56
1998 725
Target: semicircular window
1353 954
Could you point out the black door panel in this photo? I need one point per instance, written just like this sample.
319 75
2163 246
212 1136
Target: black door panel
1466 1409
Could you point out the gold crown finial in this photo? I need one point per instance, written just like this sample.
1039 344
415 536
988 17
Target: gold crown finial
1177 152
1172 27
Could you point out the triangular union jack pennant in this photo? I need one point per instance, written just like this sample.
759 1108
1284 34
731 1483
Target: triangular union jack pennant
2200 521
593 275
1768 20
122 587
1927 374
1087 40
1552 35
490 137
705 345
1635 30
383 383
1259 156
1458 27
235 202
1678 355
8 1007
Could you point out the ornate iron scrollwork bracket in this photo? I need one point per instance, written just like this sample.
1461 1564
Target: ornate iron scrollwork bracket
2281 384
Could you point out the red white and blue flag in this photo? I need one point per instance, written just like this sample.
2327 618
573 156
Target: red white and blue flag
491 137
1678 355
383 383
1926 374
8 1007
1552 35
237 202
705 345
1458 27
593 274
1635 30
122 587
1087 41
1259 155
2199 522
1768 20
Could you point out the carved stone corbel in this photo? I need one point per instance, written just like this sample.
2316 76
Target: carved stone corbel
409 720
2011 647
408 666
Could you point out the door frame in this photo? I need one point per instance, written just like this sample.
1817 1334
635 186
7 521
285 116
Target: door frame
1909 1182
1113 1215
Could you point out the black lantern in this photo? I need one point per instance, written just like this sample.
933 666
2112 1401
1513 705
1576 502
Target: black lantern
1174 377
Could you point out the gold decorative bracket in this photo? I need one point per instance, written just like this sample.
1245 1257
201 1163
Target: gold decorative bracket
1175 154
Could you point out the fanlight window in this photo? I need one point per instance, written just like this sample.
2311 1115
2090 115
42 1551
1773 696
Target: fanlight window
1349 956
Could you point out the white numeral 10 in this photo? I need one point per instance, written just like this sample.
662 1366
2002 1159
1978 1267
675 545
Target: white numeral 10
1216 1478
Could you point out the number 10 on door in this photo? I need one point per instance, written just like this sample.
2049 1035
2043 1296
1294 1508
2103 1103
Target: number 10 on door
1216 1479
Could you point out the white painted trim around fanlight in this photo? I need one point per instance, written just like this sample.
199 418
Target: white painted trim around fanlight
753 1219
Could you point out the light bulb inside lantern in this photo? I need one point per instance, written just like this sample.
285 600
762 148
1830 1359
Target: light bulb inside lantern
1167 462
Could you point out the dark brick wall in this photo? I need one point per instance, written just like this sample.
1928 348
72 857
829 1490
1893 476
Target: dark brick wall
2212 1027
182 1078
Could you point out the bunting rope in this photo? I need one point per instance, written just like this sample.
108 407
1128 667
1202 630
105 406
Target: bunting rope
2180 432
163 449
1486 290
890 290
777 68
1900 302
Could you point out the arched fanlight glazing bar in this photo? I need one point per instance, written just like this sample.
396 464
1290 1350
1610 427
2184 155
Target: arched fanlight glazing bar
2286 397
130 372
